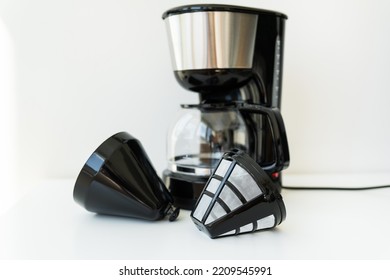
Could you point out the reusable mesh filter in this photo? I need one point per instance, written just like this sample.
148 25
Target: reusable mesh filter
239 197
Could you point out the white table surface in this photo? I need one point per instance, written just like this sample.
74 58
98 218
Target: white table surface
48 224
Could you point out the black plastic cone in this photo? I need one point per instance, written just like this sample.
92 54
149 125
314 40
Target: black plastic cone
118 179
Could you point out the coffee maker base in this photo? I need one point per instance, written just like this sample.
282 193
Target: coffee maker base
185 189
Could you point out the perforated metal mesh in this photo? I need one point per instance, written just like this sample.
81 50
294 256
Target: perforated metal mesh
229 189
239 197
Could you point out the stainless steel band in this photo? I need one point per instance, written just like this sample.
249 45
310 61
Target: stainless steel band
212 40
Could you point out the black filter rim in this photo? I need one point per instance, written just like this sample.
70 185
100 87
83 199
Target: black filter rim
220 8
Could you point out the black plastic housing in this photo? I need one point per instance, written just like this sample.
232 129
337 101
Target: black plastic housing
118 179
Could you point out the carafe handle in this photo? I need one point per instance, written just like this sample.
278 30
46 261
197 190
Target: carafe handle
278 130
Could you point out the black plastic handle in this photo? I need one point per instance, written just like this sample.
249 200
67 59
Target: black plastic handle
278 130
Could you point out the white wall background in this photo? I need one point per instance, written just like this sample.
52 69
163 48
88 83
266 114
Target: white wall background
74 72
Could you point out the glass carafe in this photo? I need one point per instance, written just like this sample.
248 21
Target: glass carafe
202 134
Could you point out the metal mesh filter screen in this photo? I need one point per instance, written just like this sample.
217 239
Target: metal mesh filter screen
226 192
235 199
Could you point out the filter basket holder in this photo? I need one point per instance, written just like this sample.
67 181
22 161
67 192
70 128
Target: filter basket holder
118 179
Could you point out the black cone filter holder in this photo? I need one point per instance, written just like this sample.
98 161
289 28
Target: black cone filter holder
239 197
118 179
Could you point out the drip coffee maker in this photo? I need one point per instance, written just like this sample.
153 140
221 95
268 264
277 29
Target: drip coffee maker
232 57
